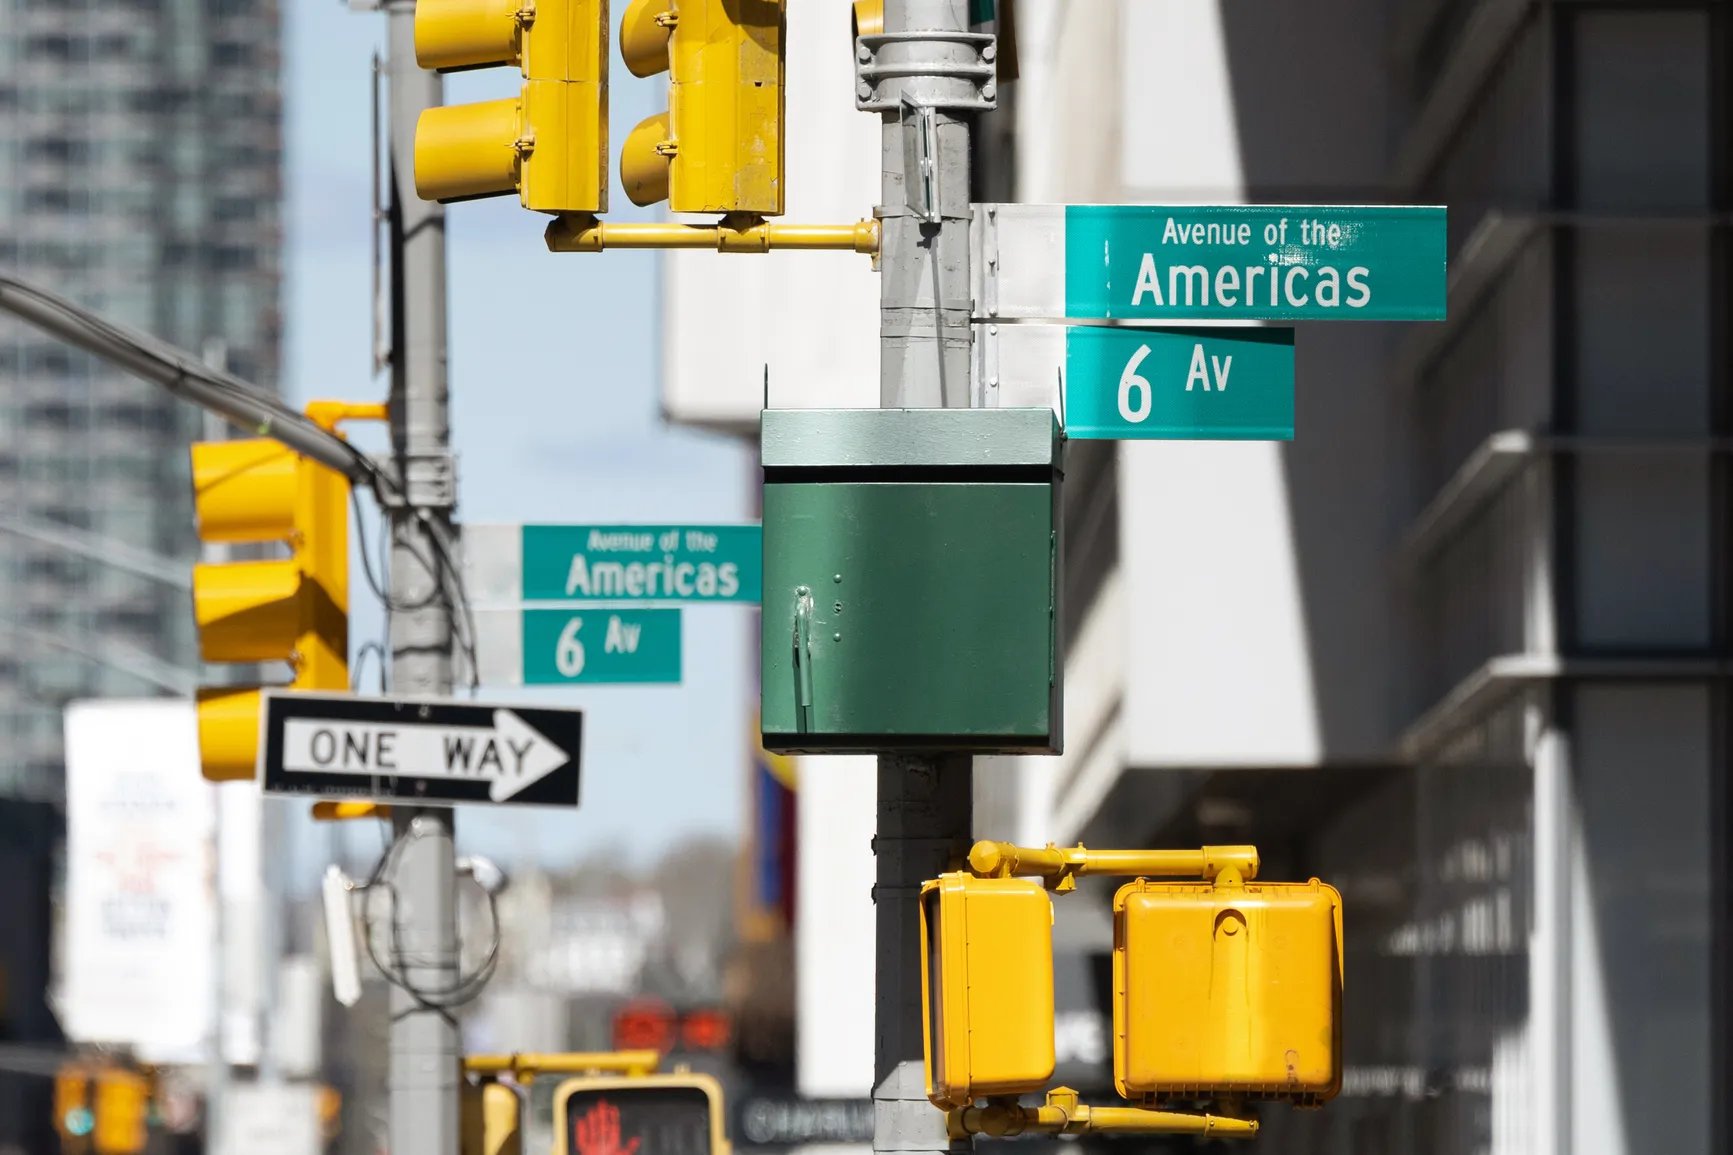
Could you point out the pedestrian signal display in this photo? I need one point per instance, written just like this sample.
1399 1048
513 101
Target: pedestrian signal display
643 1115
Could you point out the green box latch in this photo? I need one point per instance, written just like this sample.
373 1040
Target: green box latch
911 580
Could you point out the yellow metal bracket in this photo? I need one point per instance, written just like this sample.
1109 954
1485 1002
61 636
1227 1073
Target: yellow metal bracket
523 1068
735 233
1062 1114
1062 866
345 811
326 414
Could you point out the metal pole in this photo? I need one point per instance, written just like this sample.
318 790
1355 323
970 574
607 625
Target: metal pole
924 802
424 1046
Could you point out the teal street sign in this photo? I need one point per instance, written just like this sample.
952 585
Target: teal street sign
1179 384
1215 262
600 646
641 563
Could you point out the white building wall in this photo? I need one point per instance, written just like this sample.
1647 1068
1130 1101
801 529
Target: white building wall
811 317
834 926
1216 669
812 320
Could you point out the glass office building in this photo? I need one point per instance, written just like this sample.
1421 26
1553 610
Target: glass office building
141 175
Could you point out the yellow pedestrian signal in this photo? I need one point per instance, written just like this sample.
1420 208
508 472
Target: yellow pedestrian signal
73 1117
1227 988
639 1115
490 1117
550 142
293 609
122 1112
719 147
986 987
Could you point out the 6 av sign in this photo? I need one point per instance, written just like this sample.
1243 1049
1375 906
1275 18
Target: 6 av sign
414 750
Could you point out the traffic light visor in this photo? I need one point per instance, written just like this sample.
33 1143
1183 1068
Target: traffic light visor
1228 990
247 611
987 987
452 34
229 732
643 164
468 150
644 33
244 490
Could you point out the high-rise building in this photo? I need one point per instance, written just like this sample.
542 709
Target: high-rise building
140 174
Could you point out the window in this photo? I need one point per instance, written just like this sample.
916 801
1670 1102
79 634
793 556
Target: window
1643 100
57 49
232 54
57 150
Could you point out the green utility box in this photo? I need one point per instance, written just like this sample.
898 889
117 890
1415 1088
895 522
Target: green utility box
911 580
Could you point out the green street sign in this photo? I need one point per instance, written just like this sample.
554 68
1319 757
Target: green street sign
1215 262
600 646
1179 384
641 563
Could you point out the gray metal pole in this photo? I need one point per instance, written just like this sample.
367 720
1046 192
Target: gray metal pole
424 1047
924 803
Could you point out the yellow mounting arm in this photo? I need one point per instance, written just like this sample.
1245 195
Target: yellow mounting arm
734 233
1062 1114
1061 867
525 1067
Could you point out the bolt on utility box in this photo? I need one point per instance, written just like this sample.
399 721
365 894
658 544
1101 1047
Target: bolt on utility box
911 580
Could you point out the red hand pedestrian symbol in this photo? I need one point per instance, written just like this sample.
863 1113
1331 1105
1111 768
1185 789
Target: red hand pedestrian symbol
597 1132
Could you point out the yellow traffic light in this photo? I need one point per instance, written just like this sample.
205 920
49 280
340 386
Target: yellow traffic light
719 147
294 610
550 142
1231 988
122 1112
986 987
73 1118
609 1115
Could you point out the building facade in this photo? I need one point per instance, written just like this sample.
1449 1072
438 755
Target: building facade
1461 647
141 175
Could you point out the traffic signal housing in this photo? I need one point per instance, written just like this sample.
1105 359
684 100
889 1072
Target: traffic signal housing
549 143
719 147
1227 989
102 1110
986 987
294 609
491 1119
608 1115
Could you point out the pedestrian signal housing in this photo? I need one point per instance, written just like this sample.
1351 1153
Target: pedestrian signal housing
1228 988
678 1114
719 147
294 609
986 987
491 1119
549 143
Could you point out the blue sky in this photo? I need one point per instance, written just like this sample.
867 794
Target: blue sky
555 418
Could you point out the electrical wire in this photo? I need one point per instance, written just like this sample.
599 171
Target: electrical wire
155 360
375 648
462 609
148 357
466 987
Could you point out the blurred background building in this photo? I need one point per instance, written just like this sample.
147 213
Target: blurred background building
1461 646
140 174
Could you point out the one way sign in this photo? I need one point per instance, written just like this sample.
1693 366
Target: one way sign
438 753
